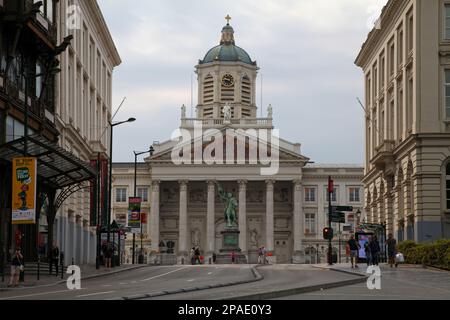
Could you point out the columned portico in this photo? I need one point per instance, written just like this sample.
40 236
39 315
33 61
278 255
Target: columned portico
154 216
243 215
183 220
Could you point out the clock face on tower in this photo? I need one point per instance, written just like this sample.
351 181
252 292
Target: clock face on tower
227 80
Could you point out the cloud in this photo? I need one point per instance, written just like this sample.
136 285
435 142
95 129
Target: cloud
305 50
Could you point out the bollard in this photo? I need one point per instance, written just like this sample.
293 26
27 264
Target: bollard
61 257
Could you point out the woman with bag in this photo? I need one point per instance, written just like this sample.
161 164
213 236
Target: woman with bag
16 268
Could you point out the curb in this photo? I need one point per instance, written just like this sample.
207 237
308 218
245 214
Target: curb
343 271
256 274
64 281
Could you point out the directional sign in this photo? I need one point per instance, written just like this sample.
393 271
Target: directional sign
338 217
343 209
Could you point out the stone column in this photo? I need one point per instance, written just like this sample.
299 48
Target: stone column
299 228
210 219
270 243
243 215
154 217
183 220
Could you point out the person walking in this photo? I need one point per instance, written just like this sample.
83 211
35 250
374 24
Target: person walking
108 256
197 256
368 254
391 244
54 259
192 256
375 250
354 247
16 268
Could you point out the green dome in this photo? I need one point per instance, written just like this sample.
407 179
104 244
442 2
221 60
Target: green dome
227 50
227 53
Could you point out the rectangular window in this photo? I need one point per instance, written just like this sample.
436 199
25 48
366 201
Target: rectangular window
447 93
310 194
334 195
354 195
121 195
400 46
143 194
382 71
310 224
447 21
410 39
391 58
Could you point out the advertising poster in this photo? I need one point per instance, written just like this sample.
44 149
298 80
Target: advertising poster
24 178
134 214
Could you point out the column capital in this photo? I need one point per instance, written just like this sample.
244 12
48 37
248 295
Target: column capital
211 185
242 183
155 185
183 185
270 182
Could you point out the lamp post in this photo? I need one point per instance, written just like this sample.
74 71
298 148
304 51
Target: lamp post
136 154
112 125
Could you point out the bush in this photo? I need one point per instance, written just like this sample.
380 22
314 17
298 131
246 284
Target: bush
430 254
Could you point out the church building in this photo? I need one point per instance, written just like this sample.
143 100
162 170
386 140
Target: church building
281 195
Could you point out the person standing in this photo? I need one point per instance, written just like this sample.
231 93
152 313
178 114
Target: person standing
354 247
368 253
54 259
375 250
197 256
391 244
108 255
16 268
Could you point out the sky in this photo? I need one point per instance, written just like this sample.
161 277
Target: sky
305 50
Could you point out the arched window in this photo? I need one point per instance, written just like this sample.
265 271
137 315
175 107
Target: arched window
447 185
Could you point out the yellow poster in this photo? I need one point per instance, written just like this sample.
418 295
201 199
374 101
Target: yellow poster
24 178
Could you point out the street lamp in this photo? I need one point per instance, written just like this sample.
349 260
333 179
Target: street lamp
136 154
112 125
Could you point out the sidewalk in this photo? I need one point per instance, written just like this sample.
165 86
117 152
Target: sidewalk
87 272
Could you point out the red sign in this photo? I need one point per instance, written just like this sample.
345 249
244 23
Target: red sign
330 186
144 218
18 238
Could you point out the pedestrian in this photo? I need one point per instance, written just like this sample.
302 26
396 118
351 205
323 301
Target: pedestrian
108 255
375 250
54 258
16 268
197 256
233 257
368 253
391 244
354 247
192 255
264 256
214 257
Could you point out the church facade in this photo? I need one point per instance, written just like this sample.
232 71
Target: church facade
281 195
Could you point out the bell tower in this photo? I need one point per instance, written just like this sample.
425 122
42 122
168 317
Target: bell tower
227 76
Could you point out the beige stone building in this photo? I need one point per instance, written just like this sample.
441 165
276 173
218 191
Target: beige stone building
284 210
83 109
406 65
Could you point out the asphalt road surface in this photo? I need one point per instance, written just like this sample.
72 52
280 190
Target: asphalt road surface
135 282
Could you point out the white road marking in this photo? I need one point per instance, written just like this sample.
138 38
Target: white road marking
192 280
162 275
210 273
95 294
38 294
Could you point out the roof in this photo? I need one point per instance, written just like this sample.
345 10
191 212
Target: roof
56 166
227 53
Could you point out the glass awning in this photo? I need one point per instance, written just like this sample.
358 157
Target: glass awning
56 167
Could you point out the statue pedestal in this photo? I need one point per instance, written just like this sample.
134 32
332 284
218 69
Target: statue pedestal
253 256
230 248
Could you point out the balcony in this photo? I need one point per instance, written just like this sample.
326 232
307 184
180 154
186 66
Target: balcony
38 24
384 156
262 123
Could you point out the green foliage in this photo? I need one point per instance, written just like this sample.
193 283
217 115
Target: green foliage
430 254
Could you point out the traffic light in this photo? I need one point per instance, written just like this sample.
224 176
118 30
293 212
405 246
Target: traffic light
328 234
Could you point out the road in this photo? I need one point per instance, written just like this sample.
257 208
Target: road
139 281
405 283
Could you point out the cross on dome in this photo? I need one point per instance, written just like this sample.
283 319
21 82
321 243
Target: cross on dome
228 18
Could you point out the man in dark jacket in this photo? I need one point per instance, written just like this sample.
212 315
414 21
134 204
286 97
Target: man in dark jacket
54 259
375 250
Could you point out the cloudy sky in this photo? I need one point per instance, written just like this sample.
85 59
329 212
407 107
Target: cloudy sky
305 49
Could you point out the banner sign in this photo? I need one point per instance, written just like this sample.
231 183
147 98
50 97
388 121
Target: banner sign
134 214
24 186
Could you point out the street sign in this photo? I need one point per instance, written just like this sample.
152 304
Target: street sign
343 208
338 217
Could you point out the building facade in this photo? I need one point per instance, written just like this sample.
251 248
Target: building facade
83 110
406 67
283 210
